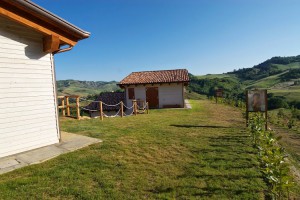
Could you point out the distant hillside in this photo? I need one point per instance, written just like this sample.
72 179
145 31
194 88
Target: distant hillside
280 75
273 66
85 88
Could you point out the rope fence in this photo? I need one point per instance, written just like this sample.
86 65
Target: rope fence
138 107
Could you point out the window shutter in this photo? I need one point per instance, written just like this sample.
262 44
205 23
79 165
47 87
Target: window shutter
131 93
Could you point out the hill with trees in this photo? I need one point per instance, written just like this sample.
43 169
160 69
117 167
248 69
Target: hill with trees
85 88
280 75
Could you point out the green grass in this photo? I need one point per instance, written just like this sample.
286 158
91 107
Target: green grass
293 65
292 94
202 153
212 76
266 82
83 92
195 96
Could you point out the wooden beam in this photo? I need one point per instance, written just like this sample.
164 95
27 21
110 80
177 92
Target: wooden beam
122 111
68 106
77 108
51 43
35 26
101 110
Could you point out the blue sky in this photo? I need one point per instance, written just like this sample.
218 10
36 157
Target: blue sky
203 36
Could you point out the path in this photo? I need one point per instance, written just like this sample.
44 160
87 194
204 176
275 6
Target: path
70 142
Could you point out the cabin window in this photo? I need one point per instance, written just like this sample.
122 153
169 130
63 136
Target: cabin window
131 93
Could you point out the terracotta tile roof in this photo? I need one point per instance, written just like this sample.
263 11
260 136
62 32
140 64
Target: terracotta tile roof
161 76
110 98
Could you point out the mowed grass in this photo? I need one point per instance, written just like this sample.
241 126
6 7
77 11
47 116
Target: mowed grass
202 153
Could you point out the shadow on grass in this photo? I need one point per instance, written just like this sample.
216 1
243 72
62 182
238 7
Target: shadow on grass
198 126
209 191
159 190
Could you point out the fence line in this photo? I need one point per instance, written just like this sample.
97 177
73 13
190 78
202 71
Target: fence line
65 106
136 108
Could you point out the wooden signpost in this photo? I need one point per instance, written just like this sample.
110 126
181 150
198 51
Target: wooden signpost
218 94
256 101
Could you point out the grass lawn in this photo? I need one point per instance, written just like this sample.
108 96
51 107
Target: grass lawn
203 153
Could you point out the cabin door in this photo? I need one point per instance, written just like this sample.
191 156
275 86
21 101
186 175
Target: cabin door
152 97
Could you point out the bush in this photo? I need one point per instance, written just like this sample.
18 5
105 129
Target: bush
277 102
295 113
272 158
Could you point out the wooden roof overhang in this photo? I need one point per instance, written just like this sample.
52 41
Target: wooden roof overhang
57 32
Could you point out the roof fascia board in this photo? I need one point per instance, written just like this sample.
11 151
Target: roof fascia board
49 17
35 26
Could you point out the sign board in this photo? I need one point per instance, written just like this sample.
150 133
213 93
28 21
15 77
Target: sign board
219 93
256 100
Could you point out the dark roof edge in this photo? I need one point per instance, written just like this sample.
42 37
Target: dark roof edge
153 83
36 8
159 70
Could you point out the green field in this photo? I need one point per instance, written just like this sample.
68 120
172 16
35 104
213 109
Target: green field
266 82
201 153
292 94
212 76
293 65
85 88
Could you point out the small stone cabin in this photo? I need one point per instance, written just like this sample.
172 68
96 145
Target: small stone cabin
29 38
161 89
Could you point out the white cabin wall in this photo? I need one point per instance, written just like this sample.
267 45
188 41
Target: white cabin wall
128 101
170 94
139 93
28 117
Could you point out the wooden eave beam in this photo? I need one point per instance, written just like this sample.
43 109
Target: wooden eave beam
44 30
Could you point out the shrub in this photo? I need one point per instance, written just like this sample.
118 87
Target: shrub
277 102
295 113
272 158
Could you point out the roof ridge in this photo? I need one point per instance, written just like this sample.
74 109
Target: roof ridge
158 76
159 70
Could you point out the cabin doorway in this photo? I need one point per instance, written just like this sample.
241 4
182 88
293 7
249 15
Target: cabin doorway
152 97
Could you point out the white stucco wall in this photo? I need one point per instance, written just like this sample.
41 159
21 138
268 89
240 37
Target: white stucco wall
28 115
168 94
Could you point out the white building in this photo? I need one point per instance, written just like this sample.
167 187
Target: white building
161 89
29 36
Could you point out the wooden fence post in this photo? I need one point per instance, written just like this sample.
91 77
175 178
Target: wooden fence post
147 107
247 119
63 106
101 110
68 106
122 111
77 107
135 107
266 118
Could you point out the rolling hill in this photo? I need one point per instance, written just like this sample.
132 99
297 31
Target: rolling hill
85 88
280 75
